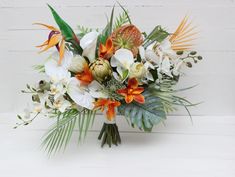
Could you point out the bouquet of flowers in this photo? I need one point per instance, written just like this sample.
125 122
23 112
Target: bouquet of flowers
115 70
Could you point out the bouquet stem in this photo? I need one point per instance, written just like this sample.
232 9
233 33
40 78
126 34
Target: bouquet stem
109 135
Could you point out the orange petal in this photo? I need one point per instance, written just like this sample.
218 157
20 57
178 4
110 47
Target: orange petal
129 98
132 83
137 91
122 92
102 48
100 102
62 48
52 28
52 42
43 44
86 76
109 43
139 98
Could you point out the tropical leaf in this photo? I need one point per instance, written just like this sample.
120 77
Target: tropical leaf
157 34
60 133
146 115
120 20
66 30
168 96
126 12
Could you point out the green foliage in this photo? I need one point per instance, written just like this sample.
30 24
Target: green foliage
168 96
120 20
60 133
84 30
126 12
157 34
39 68
66 30
146 115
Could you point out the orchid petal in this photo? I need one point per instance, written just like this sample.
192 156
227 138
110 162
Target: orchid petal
79 96
124 57
55 72
88 44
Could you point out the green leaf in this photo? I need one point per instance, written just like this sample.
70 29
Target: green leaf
125 11
125 74
146 115
120 20
66 30
107 31
157 34
59 135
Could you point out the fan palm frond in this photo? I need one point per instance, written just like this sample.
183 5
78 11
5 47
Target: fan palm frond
184 35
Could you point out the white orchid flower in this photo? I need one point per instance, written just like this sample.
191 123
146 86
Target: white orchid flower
88 44
165 48
56 72
165 66
96 90
61 104
122 59
79 94
57 89
148 55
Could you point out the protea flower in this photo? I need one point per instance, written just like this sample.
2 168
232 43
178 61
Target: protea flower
101 70
128 37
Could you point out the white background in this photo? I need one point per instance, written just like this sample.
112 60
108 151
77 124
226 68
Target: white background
179 149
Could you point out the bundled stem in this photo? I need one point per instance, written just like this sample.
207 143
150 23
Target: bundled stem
109 135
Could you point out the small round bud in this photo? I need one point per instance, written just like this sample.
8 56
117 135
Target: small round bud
193 53
179 52
188 64
199 57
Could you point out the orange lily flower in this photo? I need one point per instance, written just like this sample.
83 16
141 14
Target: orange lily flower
106 51
56 39
110 104
132 92
86 76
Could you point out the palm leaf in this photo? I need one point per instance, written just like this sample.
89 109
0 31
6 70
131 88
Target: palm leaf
58 136
184 35
120 20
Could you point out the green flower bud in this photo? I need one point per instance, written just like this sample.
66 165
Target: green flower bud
179 52
44 86
101 70
193 53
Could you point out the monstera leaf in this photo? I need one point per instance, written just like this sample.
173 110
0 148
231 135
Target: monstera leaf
146 115
66 30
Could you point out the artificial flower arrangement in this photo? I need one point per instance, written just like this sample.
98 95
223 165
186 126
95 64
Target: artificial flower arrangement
117 70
